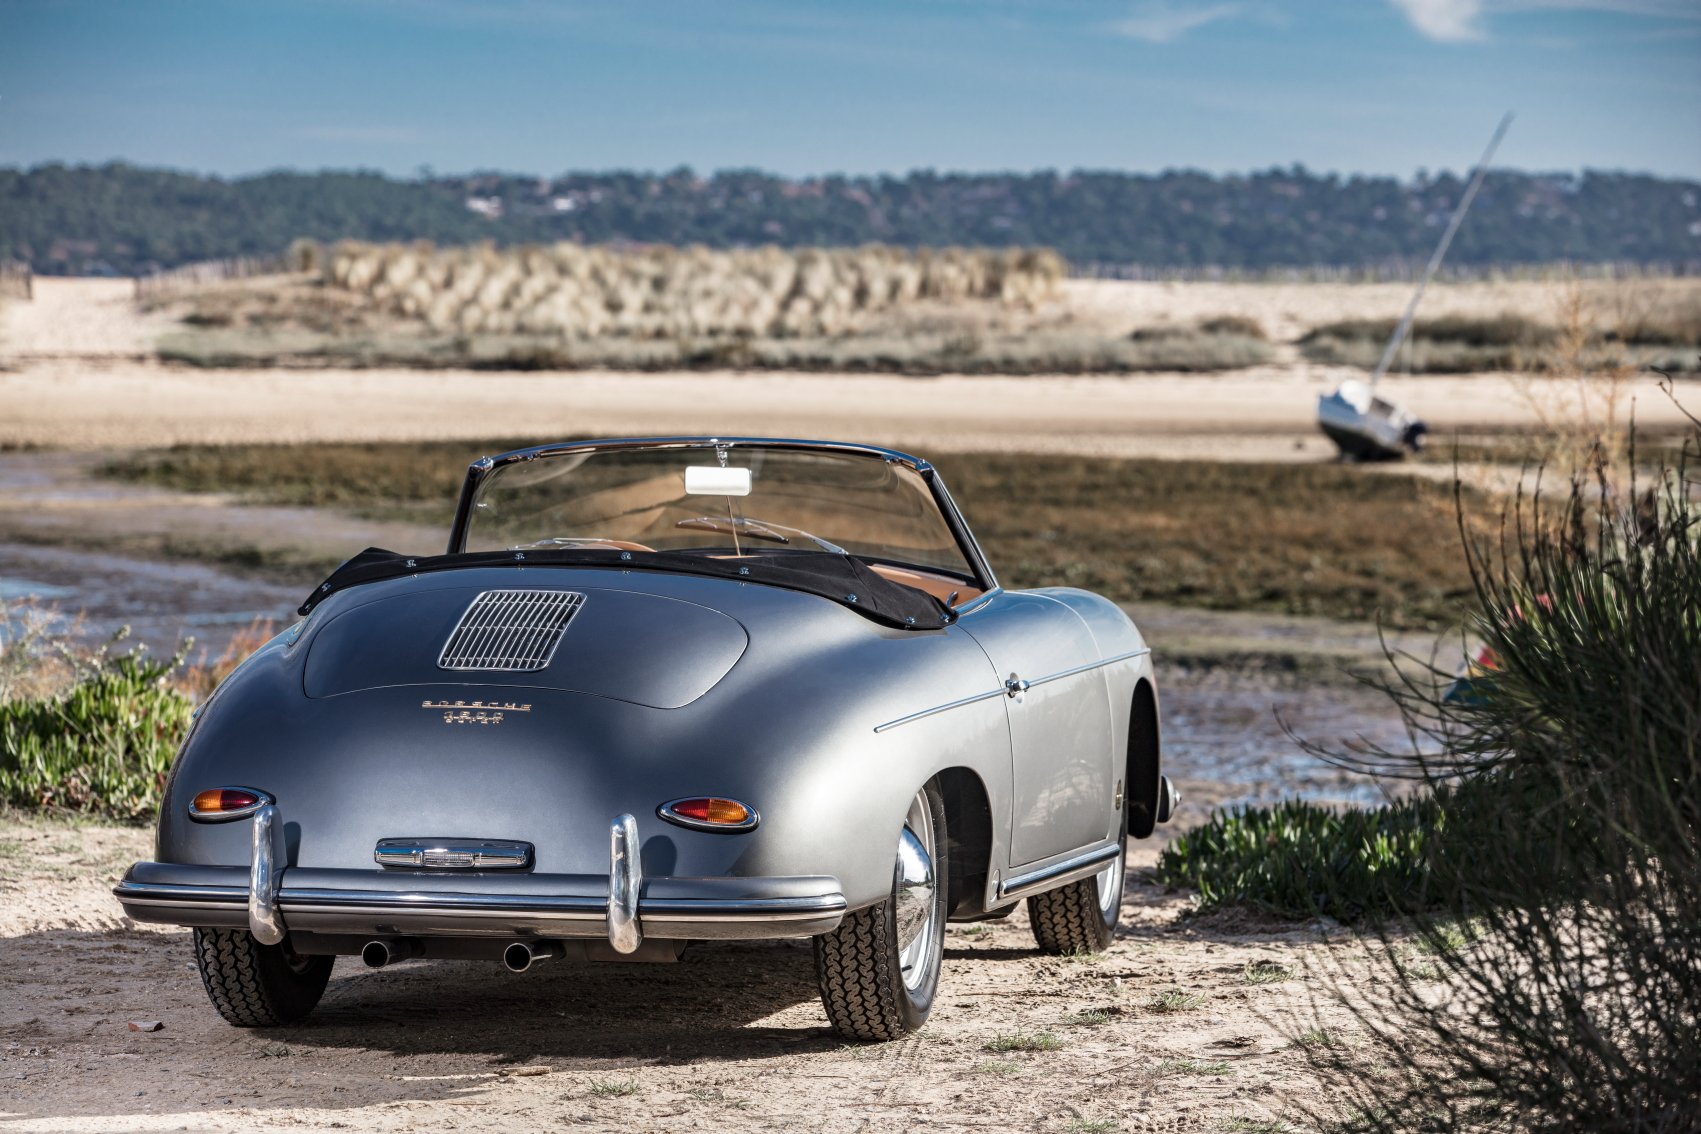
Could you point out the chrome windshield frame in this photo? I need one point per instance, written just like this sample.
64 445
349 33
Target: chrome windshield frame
479 470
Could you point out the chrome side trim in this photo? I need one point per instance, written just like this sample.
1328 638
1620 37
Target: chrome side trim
947 707
1007 690
625 879
1100 664
264 880
1076 866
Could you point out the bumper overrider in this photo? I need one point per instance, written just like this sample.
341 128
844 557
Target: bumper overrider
623 908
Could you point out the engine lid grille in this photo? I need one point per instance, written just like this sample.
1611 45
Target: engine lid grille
514 631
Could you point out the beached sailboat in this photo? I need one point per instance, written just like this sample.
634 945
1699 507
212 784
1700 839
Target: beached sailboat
1362 423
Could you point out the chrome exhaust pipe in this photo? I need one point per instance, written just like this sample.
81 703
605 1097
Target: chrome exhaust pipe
388 950
522 955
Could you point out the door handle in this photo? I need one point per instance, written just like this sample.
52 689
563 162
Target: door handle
1014 686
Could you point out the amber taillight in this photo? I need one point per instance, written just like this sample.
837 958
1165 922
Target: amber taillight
710 813
218 804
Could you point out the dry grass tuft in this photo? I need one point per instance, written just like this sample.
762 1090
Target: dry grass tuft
673 293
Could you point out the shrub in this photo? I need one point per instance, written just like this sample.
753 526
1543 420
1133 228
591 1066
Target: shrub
1575 1002
1298 859
102 746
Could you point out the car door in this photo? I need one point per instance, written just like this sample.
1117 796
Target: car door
1063 770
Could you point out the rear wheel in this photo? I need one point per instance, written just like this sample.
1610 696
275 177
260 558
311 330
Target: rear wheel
258 986
1081 917
879 970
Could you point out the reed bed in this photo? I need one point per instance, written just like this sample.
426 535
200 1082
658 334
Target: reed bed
585 292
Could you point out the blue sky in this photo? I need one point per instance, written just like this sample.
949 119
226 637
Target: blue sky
1355 86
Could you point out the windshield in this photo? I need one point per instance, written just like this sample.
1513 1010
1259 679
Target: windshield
638 500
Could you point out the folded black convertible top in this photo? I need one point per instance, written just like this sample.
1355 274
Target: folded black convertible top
844 579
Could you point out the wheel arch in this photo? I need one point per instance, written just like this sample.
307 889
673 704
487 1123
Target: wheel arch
1144 760
968 834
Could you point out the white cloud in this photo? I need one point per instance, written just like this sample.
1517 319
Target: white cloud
1459 21
1659 9
1448 21
1159 21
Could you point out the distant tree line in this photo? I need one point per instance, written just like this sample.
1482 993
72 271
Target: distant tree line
122 219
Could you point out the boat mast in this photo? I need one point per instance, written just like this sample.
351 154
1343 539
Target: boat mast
1458 217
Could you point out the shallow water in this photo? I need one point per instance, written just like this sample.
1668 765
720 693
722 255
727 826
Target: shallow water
161 603
1227 727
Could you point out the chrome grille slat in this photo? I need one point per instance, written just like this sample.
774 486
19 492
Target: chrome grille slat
514 631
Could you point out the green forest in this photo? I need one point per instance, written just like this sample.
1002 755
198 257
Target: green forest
126 220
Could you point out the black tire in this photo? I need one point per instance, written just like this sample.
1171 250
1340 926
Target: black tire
1080 917
858 968
258 986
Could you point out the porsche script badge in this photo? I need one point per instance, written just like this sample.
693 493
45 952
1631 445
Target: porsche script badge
474 712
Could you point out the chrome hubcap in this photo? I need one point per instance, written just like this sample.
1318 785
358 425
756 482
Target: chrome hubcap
913 893
1110 892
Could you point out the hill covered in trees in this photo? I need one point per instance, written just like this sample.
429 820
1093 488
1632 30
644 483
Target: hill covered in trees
124 219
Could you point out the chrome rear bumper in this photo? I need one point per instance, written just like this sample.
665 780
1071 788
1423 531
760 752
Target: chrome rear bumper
726 908
622 908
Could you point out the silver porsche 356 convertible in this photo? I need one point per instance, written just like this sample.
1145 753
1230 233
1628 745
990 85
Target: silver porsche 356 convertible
658 692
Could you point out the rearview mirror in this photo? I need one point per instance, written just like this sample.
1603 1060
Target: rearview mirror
712 480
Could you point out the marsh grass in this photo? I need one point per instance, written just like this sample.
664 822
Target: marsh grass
1516 343
1298 539
977 346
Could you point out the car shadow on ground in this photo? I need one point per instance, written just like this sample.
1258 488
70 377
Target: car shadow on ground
707 1006
417 1031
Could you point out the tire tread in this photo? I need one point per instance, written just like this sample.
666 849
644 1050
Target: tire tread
856 982
242 990
1067 919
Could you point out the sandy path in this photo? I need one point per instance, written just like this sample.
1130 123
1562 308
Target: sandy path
78 318
731 1038
1265 413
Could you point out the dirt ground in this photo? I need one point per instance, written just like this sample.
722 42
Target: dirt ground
731 1037
77 375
